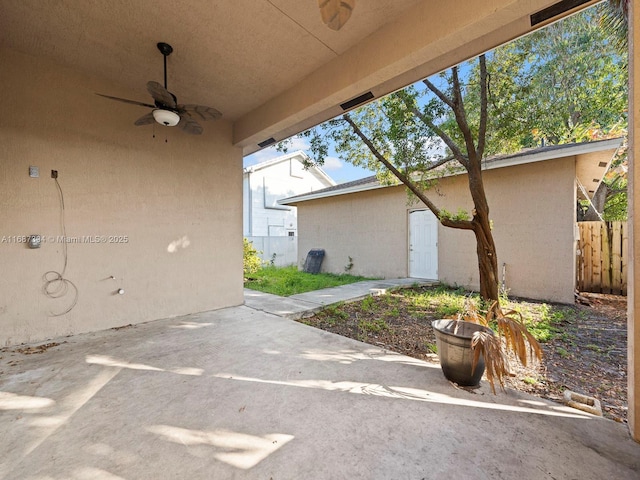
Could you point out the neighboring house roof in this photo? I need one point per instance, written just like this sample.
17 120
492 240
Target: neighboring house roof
499 161
298 155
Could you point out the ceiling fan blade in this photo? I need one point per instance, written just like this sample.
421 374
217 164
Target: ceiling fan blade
200 111
145 119
335 13
160 94
189 125
132 102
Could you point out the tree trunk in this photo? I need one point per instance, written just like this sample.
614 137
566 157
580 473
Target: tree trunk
485 245
599 199
487 262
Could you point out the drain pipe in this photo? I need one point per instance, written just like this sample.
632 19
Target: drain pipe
248 171
504 277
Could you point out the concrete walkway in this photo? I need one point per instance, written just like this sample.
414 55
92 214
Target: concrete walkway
308 303
244 394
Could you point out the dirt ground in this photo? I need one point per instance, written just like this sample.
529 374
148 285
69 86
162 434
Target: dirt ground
589 356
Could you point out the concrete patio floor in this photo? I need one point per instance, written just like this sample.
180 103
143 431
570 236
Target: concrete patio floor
241 393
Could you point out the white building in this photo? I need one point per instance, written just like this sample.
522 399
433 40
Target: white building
266 183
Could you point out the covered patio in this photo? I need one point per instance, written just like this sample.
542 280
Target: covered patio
273 69
240 393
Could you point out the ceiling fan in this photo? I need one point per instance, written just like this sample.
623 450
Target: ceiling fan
335 13
166 109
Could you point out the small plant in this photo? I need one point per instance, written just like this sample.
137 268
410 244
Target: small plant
394 312
432 347
530 380
562 352
272 262
459 216
373 326
334 312
349 265
568 338
595 348
509 334
368 304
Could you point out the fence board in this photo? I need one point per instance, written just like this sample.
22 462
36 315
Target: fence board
605 258
587 251
596 255
616 258
602 257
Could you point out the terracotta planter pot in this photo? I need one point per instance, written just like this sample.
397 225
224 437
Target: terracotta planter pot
453 338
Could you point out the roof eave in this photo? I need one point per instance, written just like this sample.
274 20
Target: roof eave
531 156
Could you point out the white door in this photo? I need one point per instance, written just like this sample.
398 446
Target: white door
423 245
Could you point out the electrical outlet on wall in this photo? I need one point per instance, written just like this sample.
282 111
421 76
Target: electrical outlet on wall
34 172
54 173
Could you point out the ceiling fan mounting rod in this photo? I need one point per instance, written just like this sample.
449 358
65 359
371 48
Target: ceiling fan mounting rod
166 50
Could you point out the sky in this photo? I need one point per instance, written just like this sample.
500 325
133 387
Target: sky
337 169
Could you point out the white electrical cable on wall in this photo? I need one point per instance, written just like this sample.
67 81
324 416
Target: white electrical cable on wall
55 284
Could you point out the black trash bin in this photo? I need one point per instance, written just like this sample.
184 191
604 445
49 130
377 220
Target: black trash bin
313 263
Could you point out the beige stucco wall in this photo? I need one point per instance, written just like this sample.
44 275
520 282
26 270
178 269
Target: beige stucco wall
369 227
532 207
178 203
533 212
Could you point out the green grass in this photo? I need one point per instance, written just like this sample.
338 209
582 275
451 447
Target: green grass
368 304
544 321
443 300
285 281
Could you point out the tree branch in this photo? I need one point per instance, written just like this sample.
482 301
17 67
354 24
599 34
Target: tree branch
461 224
440 162
457 153
482 129
438 93
461 115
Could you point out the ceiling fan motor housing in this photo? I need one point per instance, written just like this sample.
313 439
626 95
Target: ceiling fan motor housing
166 117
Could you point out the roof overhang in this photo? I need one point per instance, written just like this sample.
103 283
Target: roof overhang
299 156
270 66
592 162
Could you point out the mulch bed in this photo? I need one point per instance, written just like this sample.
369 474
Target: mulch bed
588 357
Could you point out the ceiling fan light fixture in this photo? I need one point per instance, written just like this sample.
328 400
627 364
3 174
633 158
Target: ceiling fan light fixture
166 117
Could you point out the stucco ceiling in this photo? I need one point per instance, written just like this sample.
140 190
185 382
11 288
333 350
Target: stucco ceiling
270 66
233 55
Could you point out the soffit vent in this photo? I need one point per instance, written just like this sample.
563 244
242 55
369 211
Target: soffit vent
555 10
267 142
356 101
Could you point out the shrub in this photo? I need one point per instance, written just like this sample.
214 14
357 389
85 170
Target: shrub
251 259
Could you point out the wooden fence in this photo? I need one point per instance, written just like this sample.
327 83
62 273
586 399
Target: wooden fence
602 257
